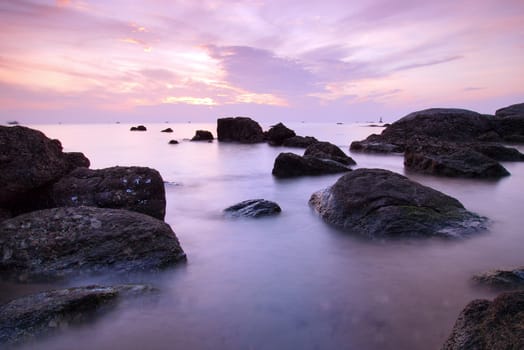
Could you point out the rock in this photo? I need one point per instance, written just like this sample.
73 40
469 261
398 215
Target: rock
138 128
498 152
173 142
326 150
239 129
138 189
202 135
167 130
5 214
278 133
60 242
299 141
502 279
510 111
29 160
292 165
45 312
511 128
377 203
254 208
369 145
484 324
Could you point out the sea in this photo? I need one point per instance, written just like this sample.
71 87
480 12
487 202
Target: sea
289 281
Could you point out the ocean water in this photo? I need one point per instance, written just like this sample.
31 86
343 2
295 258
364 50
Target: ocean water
290 281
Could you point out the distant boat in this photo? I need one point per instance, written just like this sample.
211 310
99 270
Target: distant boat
12 122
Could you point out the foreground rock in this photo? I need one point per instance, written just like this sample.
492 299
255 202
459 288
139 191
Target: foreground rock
278 133
292 165
378 203
138 189
29 160
254 208
299 141
502 279
203 135
39 314
239 129
326 150
138 128
516 110
484 324
59 242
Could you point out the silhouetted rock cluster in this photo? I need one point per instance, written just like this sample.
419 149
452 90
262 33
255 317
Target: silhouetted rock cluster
138 128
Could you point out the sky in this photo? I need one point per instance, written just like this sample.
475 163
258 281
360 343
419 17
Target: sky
281 60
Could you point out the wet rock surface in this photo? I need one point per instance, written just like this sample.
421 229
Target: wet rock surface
293 165
253 208
36 315
139 189
377 203
484 324
502 279
278 133
239 129
29 160
299 141
326 150
203 135
55 243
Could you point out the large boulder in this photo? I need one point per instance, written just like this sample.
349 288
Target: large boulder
292 165
138 189
202 135
239 129
510 123
45 312
59 242
299 141
511 111
378 203
253 208
484 324
278 133
502 279
29 160
327 150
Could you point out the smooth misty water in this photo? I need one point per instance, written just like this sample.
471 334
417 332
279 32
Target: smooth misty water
291 281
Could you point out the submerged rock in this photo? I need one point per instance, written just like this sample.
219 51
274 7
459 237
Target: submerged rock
138 189
39 314
502 279
167 130
202 135
138 128
484 324
326 150
278 133
299 141
292 165
59 242
29 160
239 129
254 208
378 203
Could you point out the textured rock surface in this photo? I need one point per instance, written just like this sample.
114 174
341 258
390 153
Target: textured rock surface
326 150
30 160
493 325
239 129
292 165
299 141
254 208
378 203
510 111
138 189
35 315
278 133
53 243
202 135
502 279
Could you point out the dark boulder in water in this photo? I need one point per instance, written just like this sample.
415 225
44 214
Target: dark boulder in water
69 241
138 128
377 203
278 133
139 189
254 208
173 142
292 165
326 150
29 160
46 312
239 129
502 279
203 135
484 324
299 141
167 130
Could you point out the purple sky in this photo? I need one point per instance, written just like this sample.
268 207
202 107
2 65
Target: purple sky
288 60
